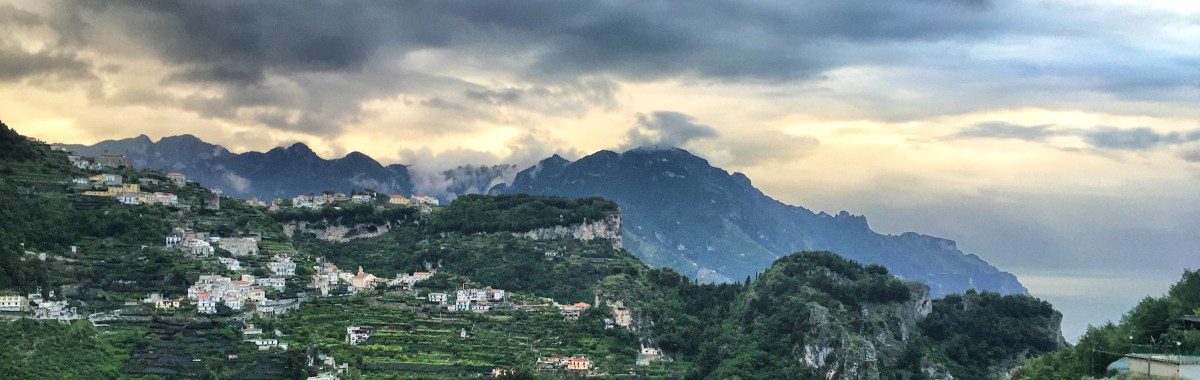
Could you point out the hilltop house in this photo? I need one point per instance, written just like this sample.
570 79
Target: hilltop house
240 246
647 355
399 200
360 198
326 277
58 311
438 297
231 263
573 311
282 265
205 304
197 247
356 335
178 179
571 363
276 283
14 303
424 200
213 289
363 280
113 160
167 304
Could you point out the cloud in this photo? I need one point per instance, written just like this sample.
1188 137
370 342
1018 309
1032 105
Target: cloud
666 129
1003 130
452 172
1135 138
17 65
316 68
1100 139
239 183
1191 154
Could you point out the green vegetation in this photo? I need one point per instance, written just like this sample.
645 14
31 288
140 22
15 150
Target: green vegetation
36 350
421 340
1153 326
517 213
964 328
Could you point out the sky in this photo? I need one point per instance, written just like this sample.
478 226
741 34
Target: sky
1058 140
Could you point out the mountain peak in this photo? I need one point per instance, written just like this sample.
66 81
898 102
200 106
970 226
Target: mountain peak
300 147
180 138
554 160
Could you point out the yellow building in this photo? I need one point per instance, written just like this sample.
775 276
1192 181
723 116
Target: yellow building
114 190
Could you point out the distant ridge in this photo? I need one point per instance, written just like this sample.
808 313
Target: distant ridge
682 212
679 211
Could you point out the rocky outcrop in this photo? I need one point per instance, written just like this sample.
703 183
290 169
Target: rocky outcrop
836 350
337 233
608 228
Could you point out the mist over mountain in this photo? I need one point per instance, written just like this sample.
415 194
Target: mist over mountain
679 211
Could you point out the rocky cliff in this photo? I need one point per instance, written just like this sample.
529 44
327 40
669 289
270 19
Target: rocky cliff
608 228
337 233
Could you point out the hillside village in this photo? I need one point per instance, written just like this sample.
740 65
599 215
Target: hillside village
163 278
260 279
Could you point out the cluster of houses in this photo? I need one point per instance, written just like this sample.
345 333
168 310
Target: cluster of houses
322 200
570 363
475 300
41 308
105 160
163 303
327 277
128 193
212 290
409 280
201 244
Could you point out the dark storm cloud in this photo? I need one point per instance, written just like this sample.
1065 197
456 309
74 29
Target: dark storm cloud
238 42
1003 130
666 129
17 65
289 56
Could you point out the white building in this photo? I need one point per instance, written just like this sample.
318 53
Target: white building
129 198
177 178
231 263
14 303
58 311
356 335
282 265
1166 366
205 304
437 297
277 283
197 247
424 200
240 246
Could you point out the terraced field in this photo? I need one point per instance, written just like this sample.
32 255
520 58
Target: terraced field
411 339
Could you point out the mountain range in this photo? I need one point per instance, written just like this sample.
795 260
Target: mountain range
679 211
